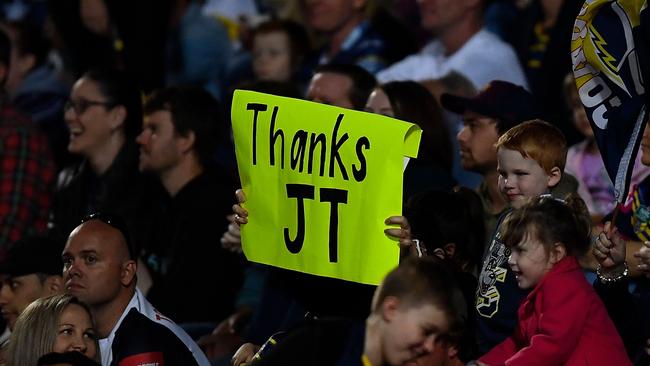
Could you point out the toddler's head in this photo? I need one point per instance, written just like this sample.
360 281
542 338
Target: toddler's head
530 160
542 232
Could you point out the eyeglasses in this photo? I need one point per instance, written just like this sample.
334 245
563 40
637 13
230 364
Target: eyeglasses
81 105
115 222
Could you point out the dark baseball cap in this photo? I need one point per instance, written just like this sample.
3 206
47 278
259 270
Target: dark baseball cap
509 103
38 254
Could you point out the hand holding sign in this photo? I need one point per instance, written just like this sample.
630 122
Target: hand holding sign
231 239
241 215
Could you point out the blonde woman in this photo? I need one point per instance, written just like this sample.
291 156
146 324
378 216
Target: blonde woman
58 323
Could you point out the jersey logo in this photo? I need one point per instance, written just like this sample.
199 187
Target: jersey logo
494 270
144 359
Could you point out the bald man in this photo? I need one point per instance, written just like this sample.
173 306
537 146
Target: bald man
99 268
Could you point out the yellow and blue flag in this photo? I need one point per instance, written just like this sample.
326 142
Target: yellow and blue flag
609 52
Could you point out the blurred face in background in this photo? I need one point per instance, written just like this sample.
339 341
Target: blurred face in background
16 293
328 16
91 118
379 103
331 88
161 147
411 332
477 139
94 16
272 56
440 15
580 119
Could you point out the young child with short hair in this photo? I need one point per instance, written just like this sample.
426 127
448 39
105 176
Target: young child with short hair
530 159
562 321
418 309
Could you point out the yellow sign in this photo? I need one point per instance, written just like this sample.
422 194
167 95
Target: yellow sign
319 182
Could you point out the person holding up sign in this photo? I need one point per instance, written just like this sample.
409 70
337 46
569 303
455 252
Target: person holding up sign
341 85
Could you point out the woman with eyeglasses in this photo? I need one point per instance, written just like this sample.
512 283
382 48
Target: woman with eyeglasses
104 115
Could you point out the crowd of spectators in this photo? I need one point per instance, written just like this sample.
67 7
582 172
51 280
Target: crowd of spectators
120 226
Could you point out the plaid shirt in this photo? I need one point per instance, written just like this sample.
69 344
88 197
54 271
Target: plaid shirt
26 177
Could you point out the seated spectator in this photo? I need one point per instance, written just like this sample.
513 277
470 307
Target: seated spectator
124 35
561 321
198 48
584 162
456 84
417 310
279 49
342 85
177 145
459 42
104 116
31 270
99 268
27 169
34 88
541 35
59 323
486 117
350 37
411 102
449 225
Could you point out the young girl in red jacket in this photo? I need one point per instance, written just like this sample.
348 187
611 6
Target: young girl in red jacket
562 321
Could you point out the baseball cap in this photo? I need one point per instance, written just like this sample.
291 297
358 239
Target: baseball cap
37 254
509 103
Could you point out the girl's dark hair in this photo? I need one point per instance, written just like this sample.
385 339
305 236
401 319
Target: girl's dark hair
553 221
439 218
413 103
120 89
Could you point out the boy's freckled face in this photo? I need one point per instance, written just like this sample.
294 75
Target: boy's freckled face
519 177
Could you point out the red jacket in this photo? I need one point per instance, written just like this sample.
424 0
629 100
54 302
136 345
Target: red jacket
561 322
